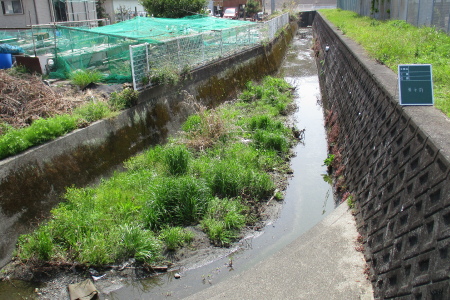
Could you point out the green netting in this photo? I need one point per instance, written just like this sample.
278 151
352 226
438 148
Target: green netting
154 30
83 49
106 48
184 43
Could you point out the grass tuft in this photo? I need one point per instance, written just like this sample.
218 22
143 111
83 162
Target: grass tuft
82 78
175 237
176 159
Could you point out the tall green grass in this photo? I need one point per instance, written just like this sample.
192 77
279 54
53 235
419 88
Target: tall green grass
132 214
42 130
82 78
14 141
397 42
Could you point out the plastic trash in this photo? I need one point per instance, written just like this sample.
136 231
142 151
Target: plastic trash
84 290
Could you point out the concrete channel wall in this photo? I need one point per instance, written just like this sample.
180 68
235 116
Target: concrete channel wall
397 162
31 183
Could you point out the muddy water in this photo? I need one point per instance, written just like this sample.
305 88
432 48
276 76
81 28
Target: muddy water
308 197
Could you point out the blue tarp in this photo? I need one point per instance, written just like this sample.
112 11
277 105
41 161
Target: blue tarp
6 48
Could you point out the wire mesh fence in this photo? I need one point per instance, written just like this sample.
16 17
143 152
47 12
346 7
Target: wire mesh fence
188 52
416 12
129 51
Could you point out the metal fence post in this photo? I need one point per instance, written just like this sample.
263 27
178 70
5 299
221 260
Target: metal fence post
203 49
236 39
132 68
146 57
148 63
178 53
221 43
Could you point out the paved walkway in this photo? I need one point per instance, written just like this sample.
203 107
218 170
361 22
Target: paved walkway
321 264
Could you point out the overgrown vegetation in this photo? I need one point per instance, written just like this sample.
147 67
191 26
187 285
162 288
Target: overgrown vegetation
82 78
397 42
13 141
125 99
211 176
167 74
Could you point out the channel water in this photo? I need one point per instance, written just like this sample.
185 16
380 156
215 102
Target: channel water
308 199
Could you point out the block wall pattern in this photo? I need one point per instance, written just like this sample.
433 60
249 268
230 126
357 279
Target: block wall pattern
399 178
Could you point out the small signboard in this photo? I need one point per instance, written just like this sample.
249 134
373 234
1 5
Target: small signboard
415 84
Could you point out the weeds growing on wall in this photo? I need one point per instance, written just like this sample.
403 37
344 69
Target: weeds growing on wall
124 99
213 186
397 42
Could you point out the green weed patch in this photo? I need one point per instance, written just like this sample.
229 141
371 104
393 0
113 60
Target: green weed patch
199 179
14 141
397 42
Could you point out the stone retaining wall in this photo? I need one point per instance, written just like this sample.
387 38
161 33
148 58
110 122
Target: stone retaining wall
397 162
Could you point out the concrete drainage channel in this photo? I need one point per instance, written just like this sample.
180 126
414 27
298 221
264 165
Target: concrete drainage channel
308 200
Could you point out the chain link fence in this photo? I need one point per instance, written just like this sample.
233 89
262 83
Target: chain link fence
416 12
188 52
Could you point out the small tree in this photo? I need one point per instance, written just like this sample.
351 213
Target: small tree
173 8
253 6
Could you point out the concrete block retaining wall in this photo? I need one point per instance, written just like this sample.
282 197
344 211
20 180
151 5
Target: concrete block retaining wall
397 162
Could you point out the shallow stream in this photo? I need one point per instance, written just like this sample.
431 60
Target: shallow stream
307 201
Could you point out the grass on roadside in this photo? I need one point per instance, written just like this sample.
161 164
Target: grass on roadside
397 42
133 213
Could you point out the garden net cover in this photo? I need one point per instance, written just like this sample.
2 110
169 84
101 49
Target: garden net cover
106 48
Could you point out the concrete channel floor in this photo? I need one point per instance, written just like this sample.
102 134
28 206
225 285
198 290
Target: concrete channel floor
323 263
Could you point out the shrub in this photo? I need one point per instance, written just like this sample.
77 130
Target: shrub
193 123
167 74
82 78
125 99
173 8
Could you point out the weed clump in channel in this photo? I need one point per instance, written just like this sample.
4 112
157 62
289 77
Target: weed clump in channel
211 176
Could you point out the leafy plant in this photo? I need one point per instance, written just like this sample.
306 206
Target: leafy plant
125 99
329 160
252 7
167 74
